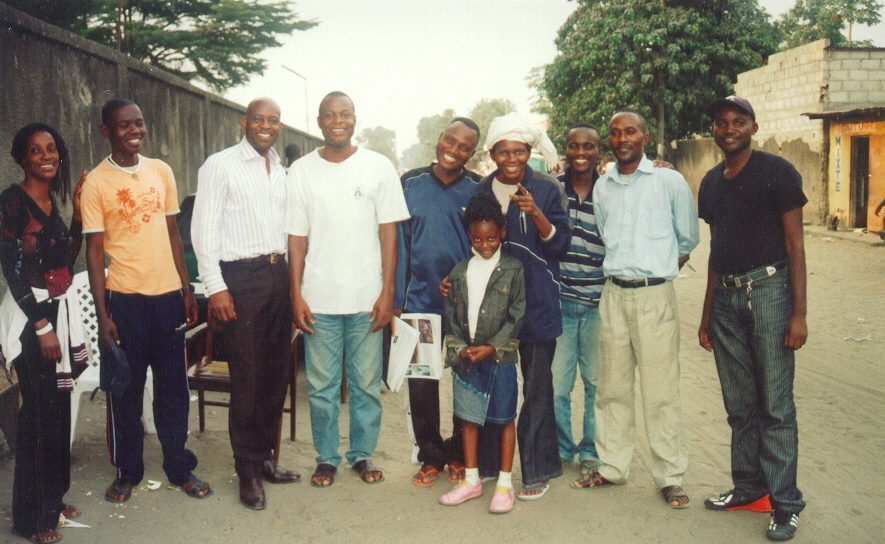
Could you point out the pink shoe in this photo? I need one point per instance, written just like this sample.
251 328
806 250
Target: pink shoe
461 493
502 500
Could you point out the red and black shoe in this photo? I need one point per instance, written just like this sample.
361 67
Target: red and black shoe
731 501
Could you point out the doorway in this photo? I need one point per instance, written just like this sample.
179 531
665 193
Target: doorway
860 180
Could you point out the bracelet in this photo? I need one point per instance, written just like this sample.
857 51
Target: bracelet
44 330
190 287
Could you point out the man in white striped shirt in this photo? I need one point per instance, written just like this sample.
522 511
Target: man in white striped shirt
238 237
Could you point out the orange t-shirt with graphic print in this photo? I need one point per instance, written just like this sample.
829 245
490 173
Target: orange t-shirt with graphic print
131 209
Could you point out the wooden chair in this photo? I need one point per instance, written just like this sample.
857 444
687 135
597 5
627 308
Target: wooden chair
211 375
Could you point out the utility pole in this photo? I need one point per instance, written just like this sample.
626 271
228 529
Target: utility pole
306 115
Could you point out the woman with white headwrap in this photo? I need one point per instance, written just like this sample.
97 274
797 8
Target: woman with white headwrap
538 235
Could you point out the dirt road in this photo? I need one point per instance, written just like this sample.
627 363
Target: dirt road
840 394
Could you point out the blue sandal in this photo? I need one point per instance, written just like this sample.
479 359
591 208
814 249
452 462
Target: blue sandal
524 496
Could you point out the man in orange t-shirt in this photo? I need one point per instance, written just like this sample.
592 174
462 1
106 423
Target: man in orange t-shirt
146 302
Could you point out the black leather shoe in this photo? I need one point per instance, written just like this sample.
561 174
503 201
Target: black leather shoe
252 493
277 475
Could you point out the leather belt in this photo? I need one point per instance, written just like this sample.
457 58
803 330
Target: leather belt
272 258
633 284
733 280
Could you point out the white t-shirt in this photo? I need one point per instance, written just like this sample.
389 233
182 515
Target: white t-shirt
479 271
502 192
339 206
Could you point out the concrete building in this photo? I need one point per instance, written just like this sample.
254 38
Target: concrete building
819 107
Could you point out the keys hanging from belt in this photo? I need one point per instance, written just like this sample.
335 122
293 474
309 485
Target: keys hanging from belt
749 290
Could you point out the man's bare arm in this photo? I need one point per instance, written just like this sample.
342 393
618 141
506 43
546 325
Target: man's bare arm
300 310
107 330
797 328
704 330
190 305
382 311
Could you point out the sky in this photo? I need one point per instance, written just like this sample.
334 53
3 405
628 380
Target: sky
401 60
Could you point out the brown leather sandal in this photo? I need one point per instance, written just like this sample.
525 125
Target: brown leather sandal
194 487
45 537
118 492
367 469
591 479
675 494
70 512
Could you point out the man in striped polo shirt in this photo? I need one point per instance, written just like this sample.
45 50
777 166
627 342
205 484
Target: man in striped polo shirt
237 232
581 281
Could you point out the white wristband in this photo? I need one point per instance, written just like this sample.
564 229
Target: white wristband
44 330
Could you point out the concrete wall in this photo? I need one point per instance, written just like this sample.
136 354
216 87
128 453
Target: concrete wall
694 158
53 76
794 82
856 78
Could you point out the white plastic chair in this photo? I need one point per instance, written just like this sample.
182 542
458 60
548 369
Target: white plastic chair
79 293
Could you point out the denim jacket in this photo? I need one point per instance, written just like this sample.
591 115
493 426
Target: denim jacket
500 315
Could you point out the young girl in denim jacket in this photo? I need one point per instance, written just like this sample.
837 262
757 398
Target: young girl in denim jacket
483 315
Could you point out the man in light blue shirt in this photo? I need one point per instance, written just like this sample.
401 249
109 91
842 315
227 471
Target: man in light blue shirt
648 222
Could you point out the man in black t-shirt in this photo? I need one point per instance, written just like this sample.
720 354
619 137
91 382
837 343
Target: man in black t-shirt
754 313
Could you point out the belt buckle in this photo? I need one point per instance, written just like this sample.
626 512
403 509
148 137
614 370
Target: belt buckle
273 258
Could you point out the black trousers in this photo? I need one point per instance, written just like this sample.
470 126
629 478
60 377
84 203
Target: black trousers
43 454
536 428
432 449
258 350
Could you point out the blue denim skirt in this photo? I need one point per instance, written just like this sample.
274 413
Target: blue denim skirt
486 394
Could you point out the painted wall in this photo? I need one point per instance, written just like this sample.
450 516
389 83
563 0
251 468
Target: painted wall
840 190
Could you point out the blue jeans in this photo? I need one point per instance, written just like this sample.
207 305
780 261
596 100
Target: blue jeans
577 348
747 326
338 340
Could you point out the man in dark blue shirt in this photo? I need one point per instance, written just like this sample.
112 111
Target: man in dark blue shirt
430 244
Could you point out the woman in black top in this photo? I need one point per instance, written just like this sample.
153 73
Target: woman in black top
37 252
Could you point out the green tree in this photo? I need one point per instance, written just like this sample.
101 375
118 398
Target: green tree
216 42
429 129
482 114
381 140
811 20
68 14
413 157
666 59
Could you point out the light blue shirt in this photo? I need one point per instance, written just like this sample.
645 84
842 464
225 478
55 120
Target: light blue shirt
646 222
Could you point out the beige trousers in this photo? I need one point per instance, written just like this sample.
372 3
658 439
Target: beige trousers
639 328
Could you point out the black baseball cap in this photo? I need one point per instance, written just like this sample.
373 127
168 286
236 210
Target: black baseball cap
734 101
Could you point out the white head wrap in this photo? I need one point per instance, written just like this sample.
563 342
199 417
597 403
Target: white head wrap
517 129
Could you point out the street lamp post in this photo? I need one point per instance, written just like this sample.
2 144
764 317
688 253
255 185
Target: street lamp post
306 115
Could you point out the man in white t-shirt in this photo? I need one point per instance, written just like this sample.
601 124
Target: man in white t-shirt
343 205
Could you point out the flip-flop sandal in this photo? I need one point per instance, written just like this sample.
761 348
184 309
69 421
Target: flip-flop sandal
324 470
533 487
456 472
425 477
45 537
675 493
118 492
70 512
364 467
194 487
